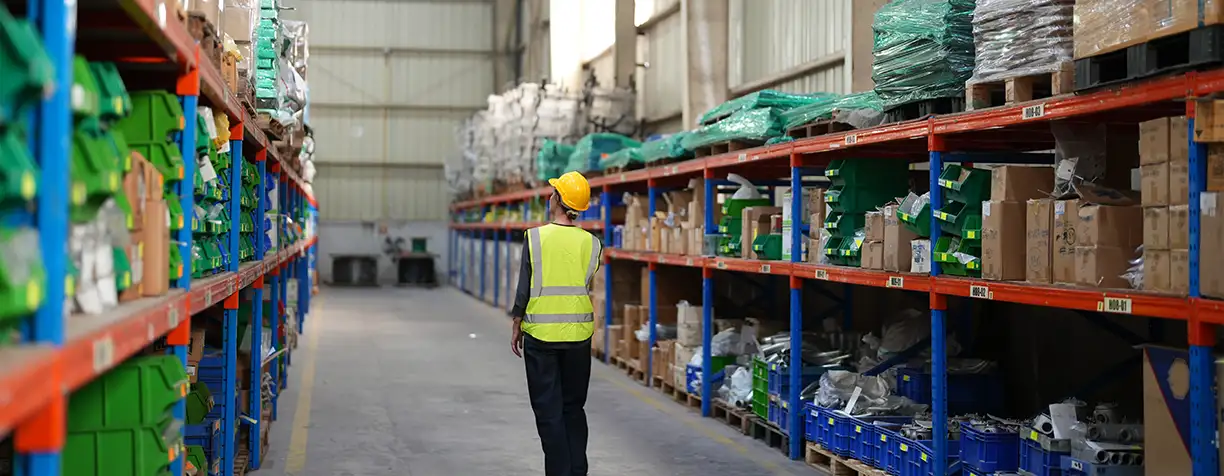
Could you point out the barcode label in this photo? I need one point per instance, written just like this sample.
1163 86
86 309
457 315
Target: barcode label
103 353
1115 305
742 157
764 268
980 292
1033 112
851 139
822 274
721 265
896 282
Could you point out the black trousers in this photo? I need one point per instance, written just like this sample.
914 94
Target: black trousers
558 375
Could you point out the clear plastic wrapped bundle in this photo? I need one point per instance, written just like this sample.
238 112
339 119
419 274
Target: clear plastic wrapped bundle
762 99
552 159
757 125
593 147
1021 37
836 108
668 147
923 50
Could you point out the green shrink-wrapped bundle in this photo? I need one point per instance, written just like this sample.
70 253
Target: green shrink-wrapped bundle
760 99
753 125
593 147
552 159
923 50
666 148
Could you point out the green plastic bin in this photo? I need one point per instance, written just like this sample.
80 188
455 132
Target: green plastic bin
139 392
135 451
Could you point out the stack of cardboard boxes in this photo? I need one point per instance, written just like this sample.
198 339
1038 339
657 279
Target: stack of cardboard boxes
757 221
873 241
676 227
1018 198
1165 186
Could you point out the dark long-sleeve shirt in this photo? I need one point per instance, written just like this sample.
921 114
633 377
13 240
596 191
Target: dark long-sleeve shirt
523 293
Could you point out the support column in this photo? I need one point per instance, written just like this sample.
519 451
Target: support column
939 348
605 201
1204 440
707 301
497 284
704 42
229 388
483 253
654 297
795 410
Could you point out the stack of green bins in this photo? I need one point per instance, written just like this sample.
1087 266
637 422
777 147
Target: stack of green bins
760 388
155 118
249 202
211 218
858 186
123 422
732 224
267 69
959 248
97 166
27 73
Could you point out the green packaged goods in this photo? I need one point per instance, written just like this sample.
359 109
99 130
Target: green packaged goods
621 158
666 148
761 99
593 147
18 173
754 125
923 50
22 276
841 109
24 65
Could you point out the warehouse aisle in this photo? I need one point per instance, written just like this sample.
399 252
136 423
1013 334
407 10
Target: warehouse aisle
422 383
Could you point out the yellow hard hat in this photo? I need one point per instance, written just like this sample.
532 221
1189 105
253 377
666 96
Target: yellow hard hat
574 190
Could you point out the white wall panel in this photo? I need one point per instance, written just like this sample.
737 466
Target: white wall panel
422 138
348 135
662 87
415 194
605 70
441 80
347 78
349 193
767 37
399 23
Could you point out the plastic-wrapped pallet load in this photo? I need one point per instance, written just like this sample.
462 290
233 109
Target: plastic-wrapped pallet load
760 99
859 110
1103 26
552 159
757 125
621 158
668 147
923 50
593 147
1021 37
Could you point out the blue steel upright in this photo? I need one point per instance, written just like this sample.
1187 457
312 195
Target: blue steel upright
184 188
654 298
52 128
707 302
939 348
497 246
1204 444
795 413
483 258
605 202
509 272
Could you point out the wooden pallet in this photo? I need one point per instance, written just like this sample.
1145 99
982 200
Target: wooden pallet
1174 53
824 460
816 129
597 352
735 417
620 363
924 108
1008 91
771 435
241 461
723 148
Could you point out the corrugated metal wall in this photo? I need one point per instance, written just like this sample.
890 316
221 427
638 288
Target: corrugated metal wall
769 37
390 79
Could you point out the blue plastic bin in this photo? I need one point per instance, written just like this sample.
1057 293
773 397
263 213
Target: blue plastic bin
1037 460
206 435
843 433
811 421
784 418
989 452
779 379
920 456
967 393
889 457
773 413
867 446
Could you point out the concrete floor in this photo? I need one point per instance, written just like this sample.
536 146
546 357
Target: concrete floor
422 383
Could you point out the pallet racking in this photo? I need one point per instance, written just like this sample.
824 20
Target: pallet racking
59 353
993 135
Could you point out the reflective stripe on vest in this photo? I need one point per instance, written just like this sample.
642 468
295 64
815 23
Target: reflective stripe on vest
559 308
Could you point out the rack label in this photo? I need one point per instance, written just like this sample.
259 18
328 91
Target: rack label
1033 112
756 157
103 353
1076 465
980 292
1115 305
688 262
622 177
721 265
896 282
851 139
822 274
764 268
172 317
208 302
742 157
661 259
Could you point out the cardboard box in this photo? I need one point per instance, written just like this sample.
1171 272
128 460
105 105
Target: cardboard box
1156 270
1179 271
1179 140
873 230
195 352
1038 238
755 221
1003 236
156 268
1154 184
136 190
1155 228
1179 227
1066 219
1101 27
1179 183
683 354
872 254
1020 183
688 324
1102 266
920 256
1215 164
1154 141
239 21
1109 225
656 234
897 238
633 321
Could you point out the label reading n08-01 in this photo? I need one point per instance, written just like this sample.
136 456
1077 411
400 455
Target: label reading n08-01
896 282
1115 305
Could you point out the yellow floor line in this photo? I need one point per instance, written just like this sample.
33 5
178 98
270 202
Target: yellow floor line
296 461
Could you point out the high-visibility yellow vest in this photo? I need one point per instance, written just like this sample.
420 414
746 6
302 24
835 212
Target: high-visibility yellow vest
563 261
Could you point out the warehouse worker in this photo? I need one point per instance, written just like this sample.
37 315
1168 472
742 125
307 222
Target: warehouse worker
553 324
